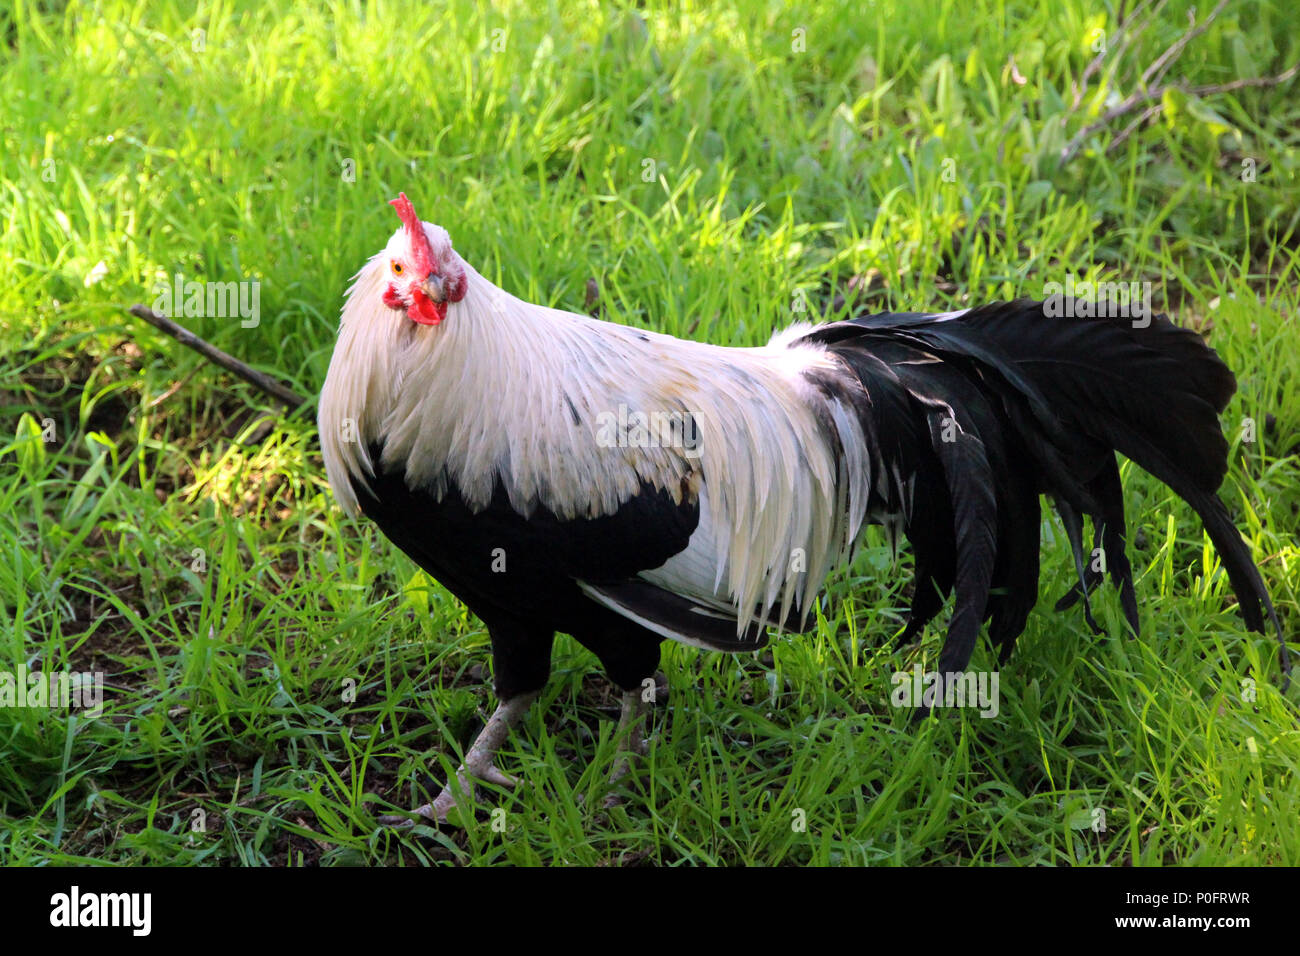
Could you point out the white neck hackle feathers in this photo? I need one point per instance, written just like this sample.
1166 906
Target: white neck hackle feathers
505 389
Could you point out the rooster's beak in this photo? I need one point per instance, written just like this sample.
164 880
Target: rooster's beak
433 288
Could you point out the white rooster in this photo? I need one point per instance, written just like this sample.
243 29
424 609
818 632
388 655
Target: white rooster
559 473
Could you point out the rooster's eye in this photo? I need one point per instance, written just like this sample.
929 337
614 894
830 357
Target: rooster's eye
397 268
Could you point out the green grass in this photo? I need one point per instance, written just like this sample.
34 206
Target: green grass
711 171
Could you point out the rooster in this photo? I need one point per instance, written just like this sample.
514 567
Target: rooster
560 473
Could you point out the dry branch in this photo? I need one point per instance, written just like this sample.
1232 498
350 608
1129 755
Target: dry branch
213 354
1156 71
1151 98
1126 30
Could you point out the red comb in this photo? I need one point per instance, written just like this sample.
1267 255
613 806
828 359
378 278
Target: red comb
420 250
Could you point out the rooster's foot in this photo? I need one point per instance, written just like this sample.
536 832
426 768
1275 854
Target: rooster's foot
631 731
480 764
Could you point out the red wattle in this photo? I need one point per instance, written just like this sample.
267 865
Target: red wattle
424 310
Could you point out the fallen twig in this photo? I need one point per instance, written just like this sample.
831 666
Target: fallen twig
1249 81
1151 98
1156 96
1127 29
1156 71
213 354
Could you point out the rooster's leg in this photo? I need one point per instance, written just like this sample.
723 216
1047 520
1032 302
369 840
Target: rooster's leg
631 740
630 654
480 763
521 657
631 732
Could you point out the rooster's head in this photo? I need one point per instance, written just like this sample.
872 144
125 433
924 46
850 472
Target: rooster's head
424 273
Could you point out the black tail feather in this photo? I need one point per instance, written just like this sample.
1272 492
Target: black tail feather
1110 537
990 408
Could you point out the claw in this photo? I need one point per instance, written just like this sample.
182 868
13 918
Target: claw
488 773
479 765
